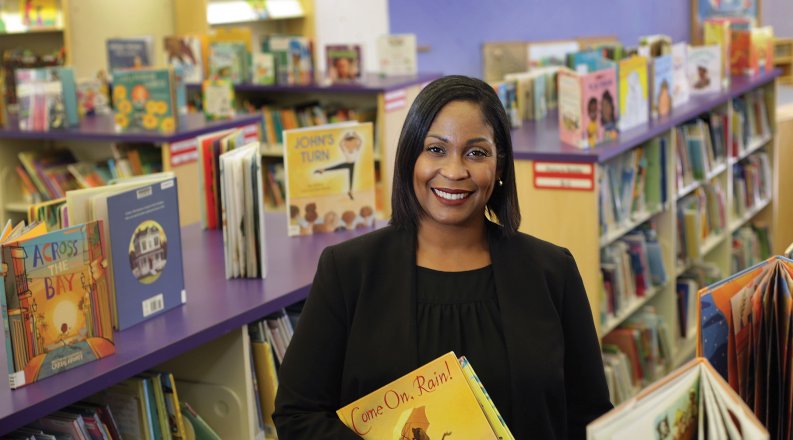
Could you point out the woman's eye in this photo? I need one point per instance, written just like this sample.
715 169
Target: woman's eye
478 153
435 149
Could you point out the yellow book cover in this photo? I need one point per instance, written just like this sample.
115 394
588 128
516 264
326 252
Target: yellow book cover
330 183
633 92
718 32
432 402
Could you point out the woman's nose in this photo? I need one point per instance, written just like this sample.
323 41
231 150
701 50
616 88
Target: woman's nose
454 168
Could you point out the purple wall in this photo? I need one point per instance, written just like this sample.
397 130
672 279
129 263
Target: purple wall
456 29
779 14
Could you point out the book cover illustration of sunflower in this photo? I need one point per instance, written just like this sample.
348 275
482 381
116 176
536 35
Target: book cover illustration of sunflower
143 99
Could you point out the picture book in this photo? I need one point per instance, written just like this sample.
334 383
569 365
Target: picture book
551 53
689 403
228 61
47 98
218 99
129 53
242 207
717 31
531 93
329 178
656 45
144 99
508 95
189 53
680 86
145 241
743 329
704 69
662 85
344 62
396 54
40 14
752 51
92 97
433 401
263 69
56 290
633 92
588 112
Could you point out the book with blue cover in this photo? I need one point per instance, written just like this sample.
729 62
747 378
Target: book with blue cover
146 248
126 53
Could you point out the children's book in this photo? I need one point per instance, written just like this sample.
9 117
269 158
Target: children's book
633 92
662 85
39 14
717 31
129 53
293 61
437 400
588 112
92 97
507 92
263 69
218 99
57 299
47 98
680 86
189 53
531 92
689 403
146 246
330 178
242 201
343 62
744 325
752 51
396 54
145 99
704 69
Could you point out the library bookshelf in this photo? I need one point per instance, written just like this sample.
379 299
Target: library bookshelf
212 322
91 140
569 216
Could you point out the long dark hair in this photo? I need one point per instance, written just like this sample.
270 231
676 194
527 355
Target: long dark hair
503 204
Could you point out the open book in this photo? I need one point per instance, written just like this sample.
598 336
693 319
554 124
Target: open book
692 402
438 400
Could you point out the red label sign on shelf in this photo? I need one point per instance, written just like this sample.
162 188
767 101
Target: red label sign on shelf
564 175
396 100
186 151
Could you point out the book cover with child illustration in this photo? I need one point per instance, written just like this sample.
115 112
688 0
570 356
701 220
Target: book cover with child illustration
329 178
435 401
588 110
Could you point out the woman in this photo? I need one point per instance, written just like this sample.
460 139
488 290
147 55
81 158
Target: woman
442 277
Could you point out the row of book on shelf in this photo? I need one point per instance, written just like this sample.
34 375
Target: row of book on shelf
602 88
157 404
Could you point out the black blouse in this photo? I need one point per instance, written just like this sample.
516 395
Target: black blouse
458 311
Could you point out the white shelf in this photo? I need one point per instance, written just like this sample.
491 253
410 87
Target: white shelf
639 218
685 351
748 215
17 207
718 169
754 145
630 309
711 242
688 189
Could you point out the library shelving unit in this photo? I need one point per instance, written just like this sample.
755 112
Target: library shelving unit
91 140
388 97
563 206
210 325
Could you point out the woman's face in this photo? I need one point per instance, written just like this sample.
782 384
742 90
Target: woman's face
456 171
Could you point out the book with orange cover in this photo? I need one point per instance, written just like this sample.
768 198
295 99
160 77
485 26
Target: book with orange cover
433 401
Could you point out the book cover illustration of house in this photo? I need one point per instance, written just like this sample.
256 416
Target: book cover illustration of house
343 62
146 248
704 69
57 298
144 99
330 182
189 53
129 53
434 401
633 92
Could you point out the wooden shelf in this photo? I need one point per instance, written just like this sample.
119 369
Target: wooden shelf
637 220
612 323
748 215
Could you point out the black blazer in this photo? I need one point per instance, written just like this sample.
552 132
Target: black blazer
358 333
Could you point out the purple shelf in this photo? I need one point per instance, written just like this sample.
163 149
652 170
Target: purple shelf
371 83
540 140
101 128
215 306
